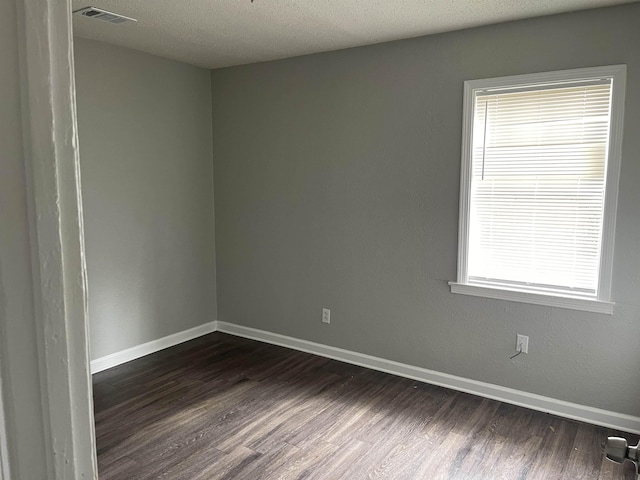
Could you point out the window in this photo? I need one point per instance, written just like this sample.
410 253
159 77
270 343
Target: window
538 193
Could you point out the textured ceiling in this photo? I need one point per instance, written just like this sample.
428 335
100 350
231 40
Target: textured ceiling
219 33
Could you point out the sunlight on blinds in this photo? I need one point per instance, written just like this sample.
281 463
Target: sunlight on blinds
538 182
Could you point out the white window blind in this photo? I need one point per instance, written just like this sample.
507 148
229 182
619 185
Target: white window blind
538 176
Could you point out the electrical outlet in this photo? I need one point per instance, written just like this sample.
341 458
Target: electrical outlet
326 315
522 343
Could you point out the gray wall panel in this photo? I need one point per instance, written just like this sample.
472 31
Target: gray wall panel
147 180
337 185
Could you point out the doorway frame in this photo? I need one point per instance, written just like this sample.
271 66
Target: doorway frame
50 138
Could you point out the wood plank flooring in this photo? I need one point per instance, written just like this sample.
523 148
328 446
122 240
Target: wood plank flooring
222 407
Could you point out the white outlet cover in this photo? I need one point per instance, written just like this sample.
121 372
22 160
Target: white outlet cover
522 340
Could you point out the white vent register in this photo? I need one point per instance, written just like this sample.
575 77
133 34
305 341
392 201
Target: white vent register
104 15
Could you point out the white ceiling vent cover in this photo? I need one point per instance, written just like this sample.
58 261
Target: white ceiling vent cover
99 14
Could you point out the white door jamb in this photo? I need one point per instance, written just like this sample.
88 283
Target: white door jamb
51 149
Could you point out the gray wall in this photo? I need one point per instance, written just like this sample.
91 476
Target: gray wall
18 343
337 183
147 183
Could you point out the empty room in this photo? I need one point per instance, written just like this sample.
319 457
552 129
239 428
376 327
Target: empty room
264 239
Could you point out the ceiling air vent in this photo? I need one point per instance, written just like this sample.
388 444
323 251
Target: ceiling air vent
99 14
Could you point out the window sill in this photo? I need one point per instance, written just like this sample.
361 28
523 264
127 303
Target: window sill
573 303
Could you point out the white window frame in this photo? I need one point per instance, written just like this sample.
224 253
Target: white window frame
602 303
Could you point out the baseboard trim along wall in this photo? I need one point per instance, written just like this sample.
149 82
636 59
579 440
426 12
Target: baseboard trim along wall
561 408
124 356
584 413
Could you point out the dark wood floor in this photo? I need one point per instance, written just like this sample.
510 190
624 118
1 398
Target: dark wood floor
222 407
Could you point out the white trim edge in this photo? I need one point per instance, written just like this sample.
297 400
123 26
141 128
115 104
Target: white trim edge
583 413
4 446
586 305
118 358
57 242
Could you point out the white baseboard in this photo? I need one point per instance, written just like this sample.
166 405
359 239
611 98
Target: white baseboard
118 358
596 416
575 411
